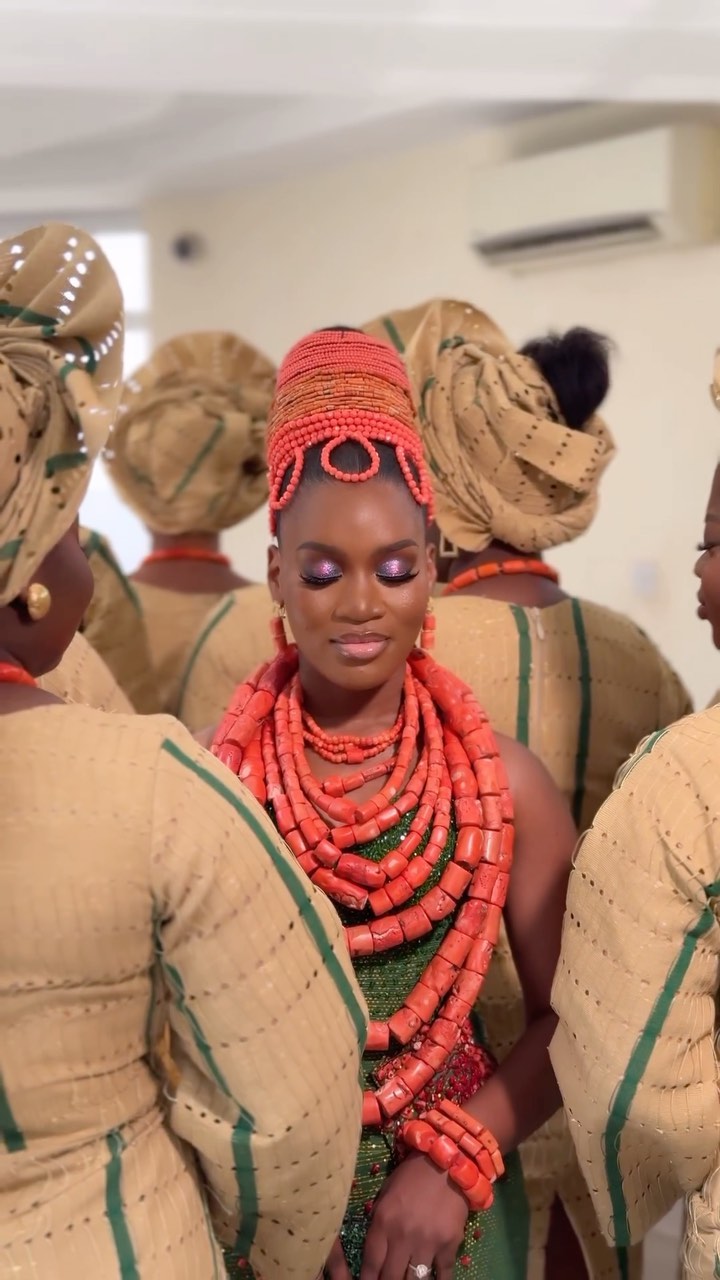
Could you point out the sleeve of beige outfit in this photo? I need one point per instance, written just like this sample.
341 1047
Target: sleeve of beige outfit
267 1023
674 700
636 990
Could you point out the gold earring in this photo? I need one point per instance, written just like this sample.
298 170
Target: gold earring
38 601
277 628
447 550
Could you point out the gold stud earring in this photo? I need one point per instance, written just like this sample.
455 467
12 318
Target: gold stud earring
38 601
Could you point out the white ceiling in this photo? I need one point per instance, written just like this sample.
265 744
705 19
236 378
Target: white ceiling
107 101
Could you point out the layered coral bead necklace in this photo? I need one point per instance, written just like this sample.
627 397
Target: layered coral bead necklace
458 778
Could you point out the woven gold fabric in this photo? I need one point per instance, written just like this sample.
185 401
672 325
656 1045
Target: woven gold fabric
504 464
637 994
172 622
61 343
577 683
115 627
188 448
140 883
82 677
580 685
232 641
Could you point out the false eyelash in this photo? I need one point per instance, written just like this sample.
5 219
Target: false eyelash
702 547
311 581
393 578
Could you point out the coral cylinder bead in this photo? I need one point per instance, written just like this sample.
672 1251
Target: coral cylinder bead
436 768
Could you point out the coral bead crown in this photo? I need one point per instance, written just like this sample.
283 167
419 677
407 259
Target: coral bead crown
332 387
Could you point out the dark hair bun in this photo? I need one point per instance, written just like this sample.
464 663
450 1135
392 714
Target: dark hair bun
577 366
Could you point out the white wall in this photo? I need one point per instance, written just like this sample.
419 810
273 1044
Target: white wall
342 246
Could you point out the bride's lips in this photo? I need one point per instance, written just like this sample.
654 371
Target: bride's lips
701 610
360 646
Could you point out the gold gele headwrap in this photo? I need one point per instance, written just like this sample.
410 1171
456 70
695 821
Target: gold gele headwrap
504 465
61 345
188 449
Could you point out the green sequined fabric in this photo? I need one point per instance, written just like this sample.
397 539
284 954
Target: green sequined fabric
497 1241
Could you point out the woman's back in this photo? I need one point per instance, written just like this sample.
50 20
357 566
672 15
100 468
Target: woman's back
120 877
576 682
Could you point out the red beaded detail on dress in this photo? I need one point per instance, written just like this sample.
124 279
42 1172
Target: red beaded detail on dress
459 775
338 386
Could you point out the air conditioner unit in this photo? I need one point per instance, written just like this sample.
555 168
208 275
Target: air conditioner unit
659 187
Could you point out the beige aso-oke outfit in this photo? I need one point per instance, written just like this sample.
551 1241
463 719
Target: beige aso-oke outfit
637 995
232 642
114 624
142 888
188 455
577 683
82 677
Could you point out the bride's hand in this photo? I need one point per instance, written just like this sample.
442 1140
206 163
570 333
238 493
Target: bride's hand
419 1219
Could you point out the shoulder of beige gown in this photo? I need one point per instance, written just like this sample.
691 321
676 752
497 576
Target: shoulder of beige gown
82 677
114 626
636 991
578 683
232 642
268 1026
172 621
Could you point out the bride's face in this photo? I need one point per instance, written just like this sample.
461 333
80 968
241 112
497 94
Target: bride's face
354 571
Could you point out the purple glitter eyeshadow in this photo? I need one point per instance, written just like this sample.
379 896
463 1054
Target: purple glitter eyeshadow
324 569
393 569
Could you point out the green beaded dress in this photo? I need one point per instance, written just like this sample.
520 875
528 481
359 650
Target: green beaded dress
497 1241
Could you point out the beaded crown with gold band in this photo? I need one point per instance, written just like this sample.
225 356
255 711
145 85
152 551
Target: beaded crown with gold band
442 809
335 386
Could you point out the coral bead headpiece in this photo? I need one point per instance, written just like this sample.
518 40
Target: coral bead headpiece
335 386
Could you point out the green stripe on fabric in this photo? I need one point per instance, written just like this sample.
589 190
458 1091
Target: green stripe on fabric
245 1174
9 550
644 750
89 363
202 1044
94 545
427 386
12 1136
65 462
28 316
115 1210
583 740
244 1126
198 646
636 1066
198 460
293 880
393 335
449 344
522 725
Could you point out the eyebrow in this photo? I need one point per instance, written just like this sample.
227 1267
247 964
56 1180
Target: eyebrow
712 517
336 551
